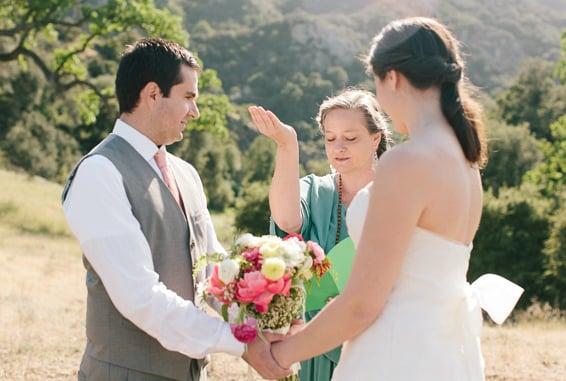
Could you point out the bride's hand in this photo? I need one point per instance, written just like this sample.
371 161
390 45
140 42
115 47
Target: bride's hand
279 354
270 126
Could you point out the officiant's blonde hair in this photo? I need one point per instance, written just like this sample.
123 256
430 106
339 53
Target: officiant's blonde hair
364 101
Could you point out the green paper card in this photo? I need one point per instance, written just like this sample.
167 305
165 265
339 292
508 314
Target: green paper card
342 258
332 283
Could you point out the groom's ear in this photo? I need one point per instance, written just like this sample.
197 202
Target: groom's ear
150 94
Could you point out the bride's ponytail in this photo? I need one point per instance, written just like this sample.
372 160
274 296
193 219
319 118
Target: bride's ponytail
427 54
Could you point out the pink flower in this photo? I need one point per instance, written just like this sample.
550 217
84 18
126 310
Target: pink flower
245 332
317 252
294 235
280 287
251 286
254 289
262 302
252 256
216 287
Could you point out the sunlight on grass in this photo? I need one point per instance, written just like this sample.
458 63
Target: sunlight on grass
31 205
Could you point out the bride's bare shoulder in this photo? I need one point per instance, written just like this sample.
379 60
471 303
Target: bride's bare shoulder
407 158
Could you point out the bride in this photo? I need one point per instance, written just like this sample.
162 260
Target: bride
407 312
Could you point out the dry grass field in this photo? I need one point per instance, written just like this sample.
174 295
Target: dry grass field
42 302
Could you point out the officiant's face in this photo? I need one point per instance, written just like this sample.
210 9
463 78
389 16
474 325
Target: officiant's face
349 145
177 109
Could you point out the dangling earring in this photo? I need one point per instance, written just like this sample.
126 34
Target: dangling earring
332 169
374 162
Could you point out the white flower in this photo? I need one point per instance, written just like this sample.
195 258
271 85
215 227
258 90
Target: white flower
298 242
248 240
305 270
271 248
269 238
307 264
293 252
228 270
233 312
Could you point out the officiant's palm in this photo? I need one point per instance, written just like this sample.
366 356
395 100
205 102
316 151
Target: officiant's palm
269 125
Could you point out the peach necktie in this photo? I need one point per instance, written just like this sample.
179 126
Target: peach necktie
168 178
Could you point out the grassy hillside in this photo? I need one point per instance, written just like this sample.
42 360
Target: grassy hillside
497 36
31 205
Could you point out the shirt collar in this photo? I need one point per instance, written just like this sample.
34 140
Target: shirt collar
141 143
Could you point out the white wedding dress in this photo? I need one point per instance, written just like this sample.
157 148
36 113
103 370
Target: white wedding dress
429 329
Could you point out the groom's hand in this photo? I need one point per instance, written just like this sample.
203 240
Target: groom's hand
259 357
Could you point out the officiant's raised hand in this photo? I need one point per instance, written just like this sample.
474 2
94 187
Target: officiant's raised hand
258 355
269 125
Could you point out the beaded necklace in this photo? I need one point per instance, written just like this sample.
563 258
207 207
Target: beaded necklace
339 221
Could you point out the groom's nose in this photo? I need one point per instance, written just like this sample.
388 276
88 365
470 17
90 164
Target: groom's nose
194 113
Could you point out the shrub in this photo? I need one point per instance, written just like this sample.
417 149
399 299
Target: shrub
252 210
510 239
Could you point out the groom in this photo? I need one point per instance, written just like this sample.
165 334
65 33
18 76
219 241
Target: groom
140 216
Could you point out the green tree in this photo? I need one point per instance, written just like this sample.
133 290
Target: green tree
252 209
214 106
550 174
555 252
561 68
218 162
259 161
513 151
535 98
60 59
32 144
57 60
57 36
511 239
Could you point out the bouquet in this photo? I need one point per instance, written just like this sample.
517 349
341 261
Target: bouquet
260 285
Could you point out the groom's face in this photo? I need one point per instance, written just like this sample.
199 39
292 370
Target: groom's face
176 110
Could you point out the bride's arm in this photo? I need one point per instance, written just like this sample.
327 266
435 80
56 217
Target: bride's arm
396 203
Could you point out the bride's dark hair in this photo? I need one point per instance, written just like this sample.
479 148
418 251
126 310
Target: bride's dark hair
427 54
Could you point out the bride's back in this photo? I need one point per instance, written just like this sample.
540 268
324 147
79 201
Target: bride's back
453 186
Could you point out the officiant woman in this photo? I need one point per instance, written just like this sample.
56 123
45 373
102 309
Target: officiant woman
355 136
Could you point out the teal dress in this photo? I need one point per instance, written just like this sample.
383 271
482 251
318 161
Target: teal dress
319 210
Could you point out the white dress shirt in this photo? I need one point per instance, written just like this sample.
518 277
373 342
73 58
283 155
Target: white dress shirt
99 214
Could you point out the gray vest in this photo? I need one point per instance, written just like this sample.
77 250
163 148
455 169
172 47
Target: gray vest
175 244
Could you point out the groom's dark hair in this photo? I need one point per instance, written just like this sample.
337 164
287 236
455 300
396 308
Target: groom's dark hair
150 60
